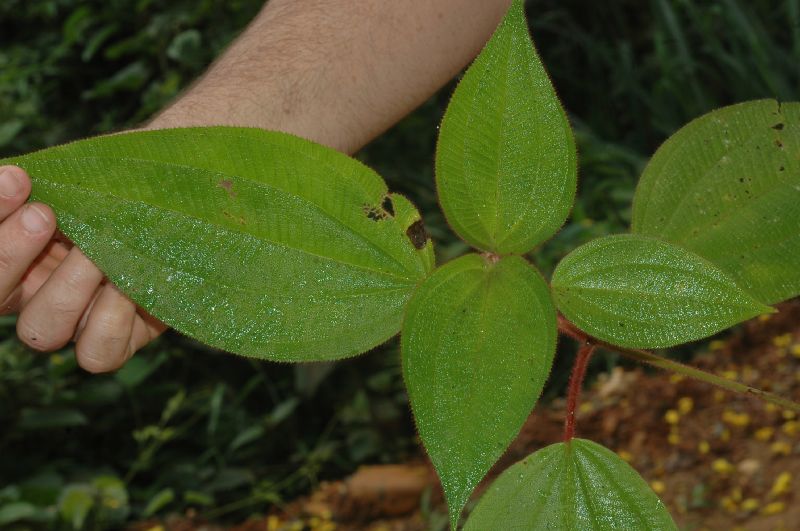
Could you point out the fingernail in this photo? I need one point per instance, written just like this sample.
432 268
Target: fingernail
9 184
34 220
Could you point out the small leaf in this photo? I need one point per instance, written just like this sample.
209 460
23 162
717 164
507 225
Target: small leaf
567 486
506 163
478 343
727 186
640 292
254 242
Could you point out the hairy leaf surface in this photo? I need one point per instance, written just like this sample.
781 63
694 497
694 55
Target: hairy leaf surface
567 486
255 242
640 292
727 186
478 342
505 163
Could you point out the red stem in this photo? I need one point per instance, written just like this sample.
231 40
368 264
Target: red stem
575 384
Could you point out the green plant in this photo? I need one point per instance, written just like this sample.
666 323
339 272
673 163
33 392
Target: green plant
270 246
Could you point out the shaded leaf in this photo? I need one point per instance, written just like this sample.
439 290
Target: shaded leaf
578 485
640 292
727 186
255 242
16 511
478 342
505 163
51 418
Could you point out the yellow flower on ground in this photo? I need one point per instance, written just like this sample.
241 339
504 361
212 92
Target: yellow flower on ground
739 420
672 417
774 508
764 434
782 485
750 504
782 341
685 405
722 466
781 447
658 487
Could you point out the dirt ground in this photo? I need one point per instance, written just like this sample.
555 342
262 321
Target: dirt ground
717 459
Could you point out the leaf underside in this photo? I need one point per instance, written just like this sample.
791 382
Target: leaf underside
506 162
254 242
639 292
568 486
727 186
478 343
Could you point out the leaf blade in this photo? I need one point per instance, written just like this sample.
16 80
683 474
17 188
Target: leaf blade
727 186
640 292
478 342
505 162
251 241
575 485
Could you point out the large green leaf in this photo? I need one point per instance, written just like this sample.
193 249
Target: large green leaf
569 486
727 186
505 164
478 343
255 242
640 292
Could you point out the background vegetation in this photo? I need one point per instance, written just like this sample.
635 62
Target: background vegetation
181 426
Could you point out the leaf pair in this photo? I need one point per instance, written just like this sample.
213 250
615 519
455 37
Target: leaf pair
480 334
716 222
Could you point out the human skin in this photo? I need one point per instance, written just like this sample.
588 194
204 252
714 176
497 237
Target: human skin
334 71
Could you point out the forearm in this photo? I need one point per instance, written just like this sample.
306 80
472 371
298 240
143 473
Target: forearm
337 71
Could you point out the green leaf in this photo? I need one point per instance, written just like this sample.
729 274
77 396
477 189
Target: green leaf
567 486
16 511
254 242
478 342
640 292
506 163
727 186
75 503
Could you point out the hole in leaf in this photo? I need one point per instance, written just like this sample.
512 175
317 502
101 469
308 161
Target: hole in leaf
374 213
387 205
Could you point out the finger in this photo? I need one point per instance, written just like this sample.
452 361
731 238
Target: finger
104 343
49 319
15 186
23 236
33 279
145 329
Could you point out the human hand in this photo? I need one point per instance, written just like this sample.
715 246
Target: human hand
59 293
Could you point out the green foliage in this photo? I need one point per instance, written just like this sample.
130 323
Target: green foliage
74 68
640 292
566 486
727 187
505 163
477 334
278 248
200 421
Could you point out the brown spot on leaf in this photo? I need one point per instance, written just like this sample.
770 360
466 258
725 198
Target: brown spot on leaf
418 234
778 127
227 185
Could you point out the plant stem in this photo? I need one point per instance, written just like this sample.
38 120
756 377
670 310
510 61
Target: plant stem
570 330
575 384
